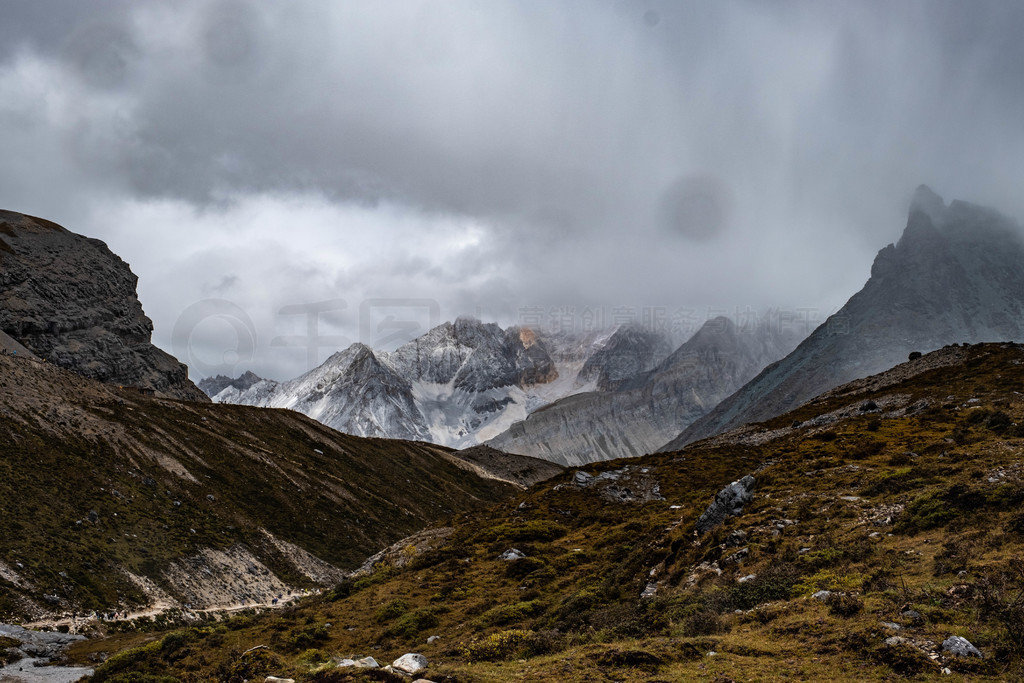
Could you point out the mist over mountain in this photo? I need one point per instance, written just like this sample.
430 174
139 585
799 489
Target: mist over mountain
635 417
955 276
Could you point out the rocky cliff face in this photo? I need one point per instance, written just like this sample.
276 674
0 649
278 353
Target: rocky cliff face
68 299
629 352
637 417
956 275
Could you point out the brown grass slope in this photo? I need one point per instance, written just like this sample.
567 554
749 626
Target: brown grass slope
900 495
210 503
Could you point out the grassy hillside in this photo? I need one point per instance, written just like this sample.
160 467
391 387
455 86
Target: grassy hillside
113 500
899 495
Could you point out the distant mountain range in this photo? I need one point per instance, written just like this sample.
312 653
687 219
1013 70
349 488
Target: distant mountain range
955 276
458 385
567 398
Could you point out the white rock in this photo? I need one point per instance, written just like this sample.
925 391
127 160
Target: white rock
410 663
367 663
275 679
346 662
433 639
511 554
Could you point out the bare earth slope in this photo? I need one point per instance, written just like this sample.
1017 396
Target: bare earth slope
111 499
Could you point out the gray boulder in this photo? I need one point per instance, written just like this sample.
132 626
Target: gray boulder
729 502
961 647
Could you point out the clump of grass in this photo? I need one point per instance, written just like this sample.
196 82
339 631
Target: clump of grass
496 646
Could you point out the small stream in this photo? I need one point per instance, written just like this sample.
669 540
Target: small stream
38 648
26 671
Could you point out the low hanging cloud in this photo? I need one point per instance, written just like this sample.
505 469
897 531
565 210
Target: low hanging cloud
498 157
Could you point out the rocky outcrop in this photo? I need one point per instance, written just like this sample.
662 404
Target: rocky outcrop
956 275
728 502
70 300
646 410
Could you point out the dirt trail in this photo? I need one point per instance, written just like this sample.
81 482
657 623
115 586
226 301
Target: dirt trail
77 624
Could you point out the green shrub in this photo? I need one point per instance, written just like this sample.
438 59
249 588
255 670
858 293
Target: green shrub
129 660
413 623
391 610
703 623
533 530
775 583
826 557
507 614
308 637
828 580
844 604
500 645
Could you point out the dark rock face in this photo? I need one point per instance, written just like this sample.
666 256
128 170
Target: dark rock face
956 275
477 356
505 358
630 352
212 386
645 410
68 299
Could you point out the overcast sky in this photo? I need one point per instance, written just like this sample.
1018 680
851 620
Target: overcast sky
410 161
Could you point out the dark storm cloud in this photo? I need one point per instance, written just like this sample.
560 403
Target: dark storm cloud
502 155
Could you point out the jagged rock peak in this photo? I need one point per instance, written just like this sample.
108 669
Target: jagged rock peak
956 275
214 385
927 202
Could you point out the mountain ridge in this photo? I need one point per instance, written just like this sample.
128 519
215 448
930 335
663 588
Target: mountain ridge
955 275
